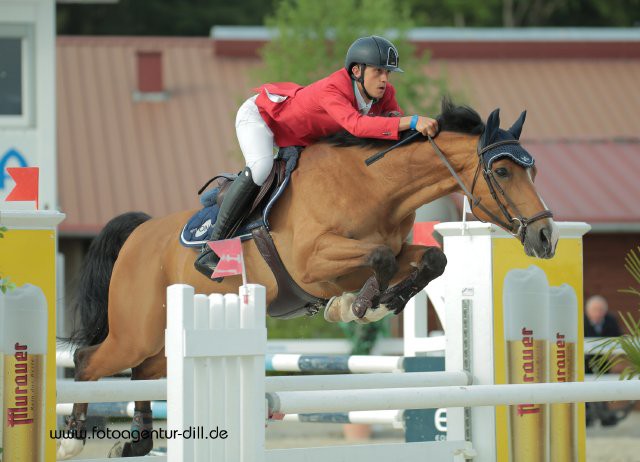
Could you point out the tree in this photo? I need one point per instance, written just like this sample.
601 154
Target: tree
311 39
457 13
525 13
158 17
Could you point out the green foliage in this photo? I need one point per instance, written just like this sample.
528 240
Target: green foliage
5 282
458 13
363 336
312 39
158 17
300 328
525 13
195 17
632 265
607 353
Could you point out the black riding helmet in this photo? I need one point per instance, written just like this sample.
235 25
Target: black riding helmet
372 51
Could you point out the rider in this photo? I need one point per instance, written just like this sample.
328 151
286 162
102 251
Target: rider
287 114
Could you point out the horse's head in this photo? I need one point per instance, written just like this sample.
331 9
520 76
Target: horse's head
507 197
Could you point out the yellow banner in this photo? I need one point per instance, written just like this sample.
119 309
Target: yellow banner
538 337
29 257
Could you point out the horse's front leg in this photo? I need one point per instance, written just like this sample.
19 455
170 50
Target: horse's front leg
384 265
426 264
417 266
336 256
360 306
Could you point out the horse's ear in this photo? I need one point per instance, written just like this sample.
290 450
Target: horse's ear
492 127
516 128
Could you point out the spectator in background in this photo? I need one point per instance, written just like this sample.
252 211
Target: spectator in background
599 323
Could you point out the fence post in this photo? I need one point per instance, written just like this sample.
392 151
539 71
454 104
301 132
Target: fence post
215 349
253 317
180 371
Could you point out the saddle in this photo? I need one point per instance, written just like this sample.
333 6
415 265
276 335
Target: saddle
291 301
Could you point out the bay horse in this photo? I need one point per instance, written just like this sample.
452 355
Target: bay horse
340 228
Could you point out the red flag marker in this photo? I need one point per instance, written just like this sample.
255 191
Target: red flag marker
231 261
26 188
423 234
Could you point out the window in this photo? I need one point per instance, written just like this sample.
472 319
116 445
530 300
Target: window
16 75
11 86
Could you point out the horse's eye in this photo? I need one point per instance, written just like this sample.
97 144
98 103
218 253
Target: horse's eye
501 172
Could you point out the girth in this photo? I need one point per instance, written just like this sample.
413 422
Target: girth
292 301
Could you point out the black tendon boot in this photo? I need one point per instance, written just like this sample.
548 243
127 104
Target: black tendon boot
236 200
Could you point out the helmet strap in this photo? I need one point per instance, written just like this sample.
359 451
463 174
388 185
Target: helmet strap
361 80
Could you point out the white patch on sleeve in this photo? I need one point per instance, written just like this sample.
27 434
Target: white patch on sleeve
275 98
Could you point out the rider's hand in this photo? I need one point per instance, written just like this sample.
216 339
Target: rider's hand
427 125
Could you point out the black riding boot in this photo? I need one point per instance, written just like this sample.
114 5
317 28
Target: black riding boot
240 195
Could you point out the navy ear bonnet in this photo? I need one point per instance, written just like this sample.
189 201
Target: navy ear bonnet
494 134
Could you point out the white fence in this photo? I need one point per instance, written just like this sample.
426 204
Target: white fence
216 384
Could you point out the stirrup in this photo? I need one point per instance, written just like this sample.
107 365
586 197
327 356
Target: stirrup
206 262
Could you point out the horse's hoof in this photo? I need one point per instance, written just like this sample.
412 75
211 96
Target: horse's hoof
360 307
69 448
434 261
332 310
339 308
375 315
116 450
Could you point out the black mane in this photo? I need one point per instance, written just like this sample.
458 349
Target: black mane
459 119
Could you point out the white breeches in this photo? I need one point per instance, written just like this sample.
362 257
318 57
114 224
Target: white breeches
255 139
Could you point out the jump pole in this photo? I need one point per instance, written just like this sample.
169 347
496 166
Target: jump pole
298 402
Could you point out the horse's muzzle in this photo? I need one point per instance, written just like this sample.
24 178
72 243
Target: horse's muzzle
541 239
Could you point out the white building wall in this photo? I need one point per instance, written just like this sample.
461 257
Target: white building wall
30 138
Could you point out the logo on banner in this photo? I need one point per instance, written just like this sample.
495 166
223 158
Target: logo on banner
19 161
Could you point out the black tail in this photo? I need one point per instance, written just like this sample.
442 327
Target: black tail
91 300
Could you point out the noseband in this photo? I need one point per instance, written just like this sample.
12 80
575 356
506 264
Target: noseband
517 225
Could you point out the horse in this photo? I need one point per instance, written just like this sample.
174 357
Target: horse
340 228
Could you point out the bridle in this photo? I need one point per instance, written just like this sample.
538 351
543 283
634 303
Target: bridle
517 225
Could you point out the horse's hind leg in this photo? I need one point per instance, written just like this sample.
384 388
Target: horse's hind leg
75 428
92 363
142 424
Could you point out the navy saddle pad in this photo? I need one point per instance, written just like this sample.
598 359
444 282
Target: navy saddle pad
198 229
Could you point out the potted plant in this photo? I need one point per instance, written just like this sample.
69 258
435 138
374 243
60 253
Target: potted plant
623 351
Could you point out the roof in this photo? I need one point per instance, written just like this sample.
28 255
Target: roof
475 43
116 154
466 34
592 181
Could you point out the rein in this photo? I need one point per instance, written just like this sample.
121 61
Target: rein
517 226
376 157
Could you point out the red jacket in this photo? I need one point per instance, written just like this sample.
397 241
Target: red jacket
322 108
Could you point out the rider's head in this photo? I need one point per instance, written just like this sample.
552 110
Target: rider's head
378 56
